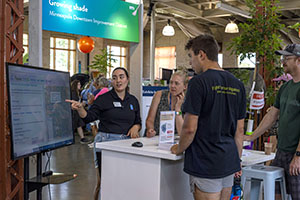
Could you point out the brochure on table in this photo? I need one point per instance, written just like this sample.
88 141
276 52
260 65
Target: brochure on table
166 130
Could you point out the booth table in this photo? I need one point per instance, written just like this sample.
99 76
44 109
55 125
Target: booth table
252 157
149 173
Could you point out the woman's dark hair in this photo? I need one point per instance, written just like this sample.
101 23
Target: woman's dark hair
122 68
74 86
206 43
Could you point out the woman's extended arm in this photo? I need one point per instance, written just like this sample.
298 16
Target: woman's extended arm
151 114
76 105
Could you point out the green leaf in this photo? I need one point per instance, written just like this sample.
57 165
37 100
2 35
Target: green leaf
260 35
102 61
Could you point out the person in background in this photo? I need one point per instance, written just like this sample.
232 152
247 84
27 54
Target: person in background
118 112
166 100
76 120
103 84
287 108
88 88
282 79
97 89
213 127
85 92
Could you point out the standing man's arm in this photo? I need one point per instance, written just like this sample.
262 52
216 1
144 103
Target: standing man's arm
238 138
267 122
239 135
187 135
295 164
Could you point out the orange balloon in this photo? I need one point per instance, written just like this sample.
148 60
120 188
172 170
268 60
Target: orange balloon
85 44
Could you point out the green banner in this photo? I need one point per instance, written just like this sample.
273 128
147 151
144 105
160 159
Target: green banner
112 19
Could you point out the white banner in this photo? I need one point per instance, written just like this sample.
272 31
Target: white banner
257 101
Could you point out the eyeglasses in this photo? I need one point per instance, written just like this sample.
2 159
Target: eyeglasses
285 59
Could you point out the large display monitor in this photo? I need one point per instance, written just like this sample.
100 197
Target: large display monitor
40 118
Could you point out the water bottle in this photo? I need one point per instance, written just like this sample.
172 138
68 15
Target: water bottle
237 192
249 130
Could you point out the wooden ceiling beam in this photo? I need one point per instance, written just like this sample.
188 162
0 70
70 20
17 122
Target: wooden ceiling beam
193 12
289 5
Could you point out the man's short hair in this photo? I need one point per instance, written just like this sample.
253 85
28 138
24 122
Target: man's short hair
206 43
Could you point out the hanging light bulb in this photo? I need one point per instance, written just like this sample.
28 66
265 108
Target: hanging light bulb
168 30
231 27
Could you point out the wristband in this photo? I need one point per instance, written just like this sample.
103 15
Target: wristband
178 113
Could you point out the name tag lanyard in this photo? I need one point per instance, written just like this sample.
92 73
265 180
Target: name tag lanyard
170 106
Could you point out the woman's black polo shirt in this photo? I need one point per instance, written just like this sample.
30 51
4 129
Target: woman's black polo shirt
115 115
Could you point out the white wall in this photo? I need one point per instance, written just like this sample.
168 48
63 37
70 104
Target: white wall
179 40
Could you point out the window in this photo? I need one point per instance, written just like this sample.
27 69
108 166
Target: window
119 54
246 63
165 58
62 54
25 43
220 59
25 47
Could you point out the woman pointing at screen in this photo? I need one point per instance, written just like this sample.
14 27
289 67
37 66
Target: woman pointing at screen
118 112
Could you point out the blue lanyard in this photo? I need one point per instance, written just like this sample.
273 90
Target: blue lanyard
170 106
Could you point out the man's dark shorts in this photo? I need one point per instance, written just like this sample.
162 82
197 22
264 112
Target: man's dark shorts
283 159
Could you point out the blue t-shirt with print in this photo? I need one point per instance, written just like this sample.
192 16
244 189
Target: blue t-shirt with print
218 99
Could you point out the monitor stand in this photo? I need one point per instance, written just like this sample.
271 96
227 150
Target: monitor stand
37 183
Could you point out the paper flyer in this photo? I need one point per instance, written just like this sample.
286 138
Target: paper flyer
257 101
166 129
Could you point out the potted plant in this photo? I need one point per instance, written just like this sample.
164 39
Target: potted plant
102 61
260 37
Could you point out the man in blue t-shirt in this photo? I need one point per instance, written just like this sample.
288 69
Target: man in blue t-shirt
213 128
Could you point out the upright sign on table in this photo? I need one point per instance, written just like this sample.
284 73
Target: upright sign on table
166 129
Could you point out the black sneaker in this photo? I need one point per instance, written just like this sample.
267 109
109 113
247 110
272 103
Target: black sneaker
85 141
